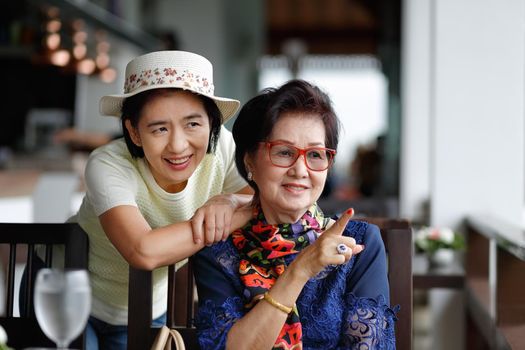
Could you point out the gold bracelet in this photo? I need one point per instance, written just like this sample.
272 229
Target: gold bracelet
275 303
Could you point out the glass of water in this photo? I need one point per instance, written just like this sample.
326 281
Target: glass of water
62 304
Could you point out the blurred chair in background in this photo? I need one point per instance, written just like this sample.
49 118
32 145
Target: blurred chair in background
40 126
180 313
53 196
24 331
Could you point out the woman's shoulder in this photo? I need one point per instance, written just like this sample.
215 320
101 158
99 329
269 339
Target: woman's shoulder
112 155
221 256
111 165
114 149
217 252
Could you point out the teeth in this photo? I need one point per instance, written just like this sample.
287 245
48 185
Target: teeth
178 161
296 187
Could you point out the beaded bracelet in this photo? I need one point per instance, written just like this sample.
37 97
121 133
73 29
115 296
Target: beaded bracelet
275 303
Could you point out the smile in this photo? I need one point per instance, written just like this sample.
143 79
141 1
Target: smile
178 161
295 187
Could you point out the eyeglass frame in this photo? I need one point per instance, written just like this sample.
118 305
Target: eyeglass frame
300 152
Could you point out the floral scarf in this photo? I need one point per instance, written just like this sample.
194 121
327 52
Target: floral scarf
262 248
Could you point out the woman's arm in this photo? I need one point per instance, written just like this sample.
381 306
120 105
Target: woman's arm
370 321
260 327
112 181
147 248
212 222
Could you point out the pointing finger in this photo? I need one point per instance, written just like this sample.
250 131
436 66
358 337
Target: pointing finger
340 224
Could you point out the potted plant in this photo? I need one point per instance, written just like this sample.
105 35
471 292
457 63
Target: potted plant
439 243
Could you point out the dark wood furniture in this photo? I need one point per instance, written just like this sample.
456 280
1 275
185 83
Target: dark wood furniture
180 293
396 234
495 284
449 277
397 237
22 238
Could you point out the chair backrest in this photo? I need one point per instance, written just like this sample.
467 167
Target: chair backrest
23 238
180 313
397 237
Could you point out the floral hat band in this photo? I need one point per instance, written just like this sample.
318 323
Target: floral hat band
169 76
168 69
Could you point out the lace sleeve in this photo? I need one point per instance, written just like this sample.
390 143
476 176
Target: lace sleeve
369 324
215 321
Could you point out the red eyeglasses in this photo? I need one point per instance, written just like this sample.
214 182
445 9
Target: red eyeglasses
284 155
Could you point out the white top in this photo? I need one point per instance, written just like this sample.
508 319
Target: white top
114 178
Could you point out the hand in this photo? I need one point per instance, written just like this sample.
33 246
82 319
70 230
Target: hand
323 252
212 221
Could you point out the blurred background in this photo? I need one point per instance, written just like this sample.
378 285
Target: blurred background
61 56
430 94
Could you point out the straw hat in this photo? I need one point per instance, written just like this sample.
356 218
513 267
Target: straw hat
168 69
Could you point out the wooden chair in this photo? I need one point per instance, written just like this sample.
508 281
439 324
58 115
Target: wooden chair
396 234
180 293
397 237
24 331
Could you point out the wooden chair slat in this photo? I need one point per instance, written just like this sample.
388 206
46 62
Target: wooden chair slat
24 331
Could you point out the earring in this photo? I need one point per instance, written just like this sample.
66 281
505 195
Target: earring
250 176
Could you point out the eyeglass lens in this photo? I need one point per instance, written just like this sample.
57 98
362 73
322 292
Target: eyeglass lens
286 156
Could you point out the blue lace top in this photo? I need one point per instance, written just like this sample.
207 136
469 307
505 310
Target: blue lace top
344 307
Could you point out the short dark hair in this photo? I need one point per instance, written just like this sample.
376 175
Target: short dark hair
259 115
133 106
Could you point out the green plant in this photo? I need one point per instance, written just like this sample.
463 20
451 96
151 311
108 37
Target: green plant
430 239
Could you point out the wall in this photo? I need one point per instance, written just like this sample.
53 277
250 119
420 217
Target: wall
228 33
91 89
463 123
463 114
416 104
478 116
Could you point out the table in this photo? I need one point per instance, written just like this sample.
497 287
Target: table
424 277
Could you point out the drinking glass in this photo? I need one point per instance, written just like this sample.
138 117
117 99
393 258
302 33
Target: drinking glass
62 304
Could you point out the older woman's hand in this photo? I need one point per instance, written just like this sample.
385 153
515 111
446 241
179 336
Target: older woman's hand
325 251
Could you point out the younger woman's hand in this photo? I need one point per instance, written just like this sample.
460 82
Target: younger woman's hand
325 251
212 222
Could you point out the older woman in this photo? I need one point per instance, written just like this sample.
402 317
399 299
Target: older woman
293 278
